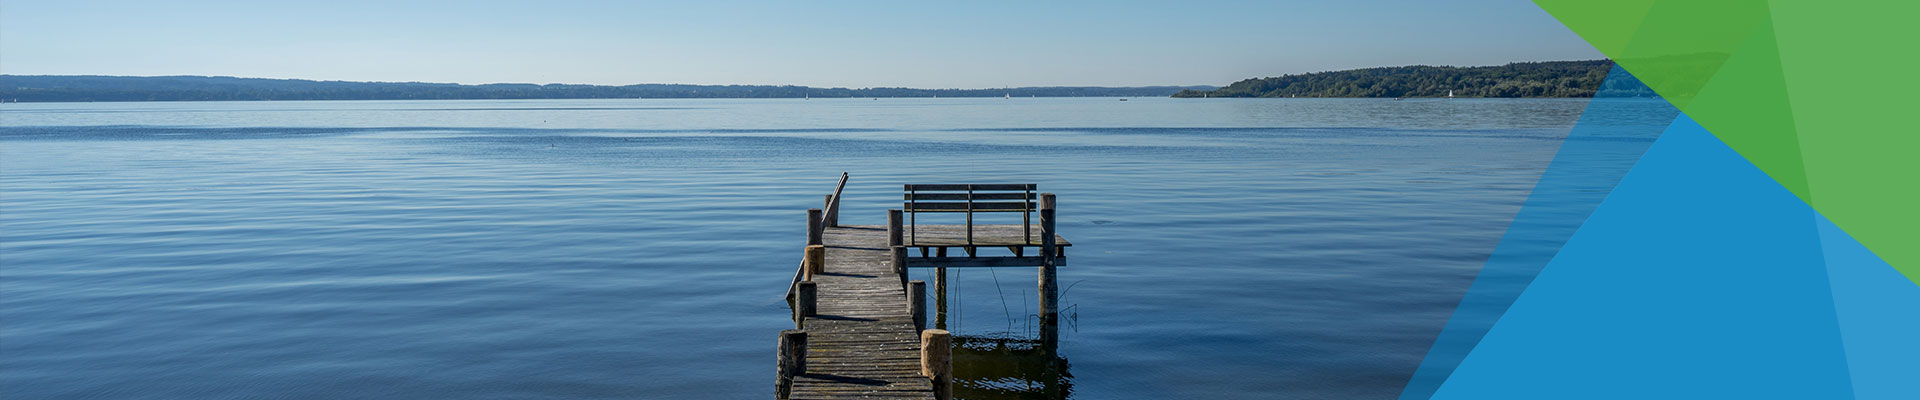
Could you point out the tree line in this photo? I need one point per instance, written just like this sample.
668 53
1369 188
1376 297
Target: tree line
1525 79
80 88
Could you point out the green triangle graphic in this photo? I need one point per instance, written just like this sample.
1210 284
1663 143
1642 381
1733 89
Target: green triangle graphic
1608 25
1816 94
1675 56
1745 105
1848 72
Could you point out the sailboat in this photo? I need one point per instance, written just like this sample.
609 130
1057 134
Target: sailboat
1449 93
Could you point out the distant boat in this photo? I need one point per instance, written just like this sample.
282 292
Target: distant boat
804 96
1449 93
1009 95
1123 99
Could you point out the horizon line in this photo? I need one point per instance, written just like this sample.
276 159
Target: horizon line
788 85
596 84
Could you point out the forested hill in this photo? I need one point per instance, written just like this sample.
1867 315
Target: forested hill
28 88
1529 79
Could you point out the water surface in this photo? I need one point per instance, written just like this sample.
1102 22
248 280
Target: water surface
1225 248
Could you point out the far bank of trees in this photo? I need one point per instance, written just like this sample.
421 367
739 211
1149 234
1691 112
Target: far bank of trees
72 88
1530 79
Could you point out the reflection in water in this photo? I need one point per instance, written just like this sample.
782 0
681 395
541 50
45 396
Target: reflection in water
1008 368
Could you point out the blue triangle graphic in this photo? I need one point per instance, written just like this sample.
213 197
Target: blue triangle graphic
1699 277
1612 133
1879 312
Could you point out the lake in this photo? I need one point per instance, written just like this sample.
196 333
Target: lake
1224 248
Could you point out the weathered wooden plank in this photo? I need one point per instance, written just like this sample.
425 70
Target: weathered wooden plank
976 187
964 196
986 235
977 206
995 235
965 262
862 342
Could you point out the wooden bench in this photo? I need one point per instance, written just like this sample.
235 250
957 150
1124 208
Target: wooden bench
971 199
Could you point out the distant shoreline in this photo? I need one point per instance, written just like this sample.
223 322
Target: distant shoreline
2 103
99 88
1553 79
1549 79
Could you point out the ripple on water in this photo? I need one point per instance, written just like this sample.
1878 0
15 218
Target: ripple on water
623 248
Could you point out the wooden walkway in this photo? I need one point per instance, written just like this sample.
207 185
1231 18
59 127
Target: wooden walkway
859 333
862 342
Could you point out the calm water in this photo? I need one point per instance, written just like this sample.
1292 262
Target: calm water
1225 248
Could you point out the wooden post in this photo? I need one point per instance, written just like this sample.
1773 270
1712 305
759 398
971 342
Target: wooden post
900 263
793 361
894 230
1046 228
936 361
969 218
940 298
807 305
917 299
816 261
813 226
1049 287
832 216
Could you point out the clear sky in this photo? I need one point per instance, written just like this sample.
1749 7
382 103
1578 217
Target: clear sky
970 44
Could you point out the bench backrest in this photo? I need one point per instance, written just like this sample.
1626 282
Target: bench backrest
970 198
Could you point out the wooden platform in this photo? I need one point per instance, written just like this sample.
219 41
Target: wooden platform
862 343
983 236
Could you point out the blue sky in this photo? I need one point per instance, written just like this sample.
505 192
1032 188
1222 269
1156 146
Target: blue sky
828 43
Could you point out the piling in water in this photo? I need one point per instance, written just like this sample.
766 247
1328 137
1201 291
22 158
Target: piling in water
894 231
1049 289
1049 292
816 260
807 303
940 298
813 225
900 263
792 361
936 361
917 301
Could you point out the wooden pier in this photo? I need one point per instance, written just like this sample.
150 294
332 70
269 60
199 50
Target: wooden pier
861 327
